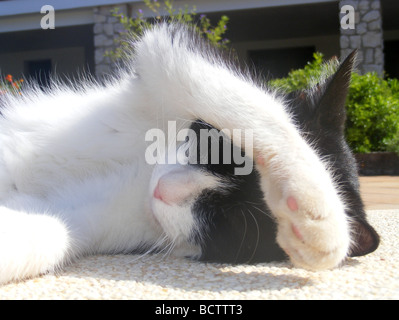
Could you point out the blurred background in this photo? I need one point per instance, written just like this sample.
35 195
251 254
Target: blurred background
274 35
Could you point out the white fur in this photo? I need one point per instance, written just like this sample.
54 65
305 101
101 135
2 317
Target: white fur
179 185
74 181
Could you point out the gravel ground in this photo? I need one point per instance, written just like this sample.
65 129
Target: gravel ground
374 276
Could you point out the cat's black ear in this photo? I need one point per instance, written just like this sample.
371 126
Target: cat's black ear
331 96
364 238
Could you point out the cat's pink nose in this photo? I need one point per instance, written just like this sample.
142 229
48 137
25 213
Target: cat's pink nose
174 187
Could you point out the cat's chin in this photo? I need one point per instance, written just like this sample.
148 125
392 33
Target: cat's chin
177 224
187 250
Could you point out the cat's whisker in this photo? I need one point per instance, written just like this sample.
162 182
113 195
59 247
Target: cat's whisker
155 247
257 236
162 243
264 212
168 249
244 235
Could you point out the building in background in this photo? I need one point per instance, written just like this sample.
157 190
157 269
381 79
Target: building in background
274 35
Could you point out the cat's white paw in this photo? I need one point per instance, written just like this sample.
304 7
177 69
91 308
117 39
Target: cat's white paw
313 240
30 244
312 226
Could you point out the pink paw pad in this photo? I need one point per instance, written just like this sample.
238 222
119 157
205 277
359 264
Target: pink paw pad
260 160
297 233
157 193
292 204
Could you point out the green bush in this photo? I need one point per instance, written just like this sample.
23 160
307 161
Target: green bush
134 26
373 113
307 77
372 105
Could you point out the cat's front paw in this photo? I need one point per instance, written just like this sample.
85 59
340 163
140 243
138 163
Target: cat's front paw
312 226
313 239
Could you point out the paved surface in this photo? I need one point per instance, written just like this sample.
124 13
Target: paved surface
373 277
380 192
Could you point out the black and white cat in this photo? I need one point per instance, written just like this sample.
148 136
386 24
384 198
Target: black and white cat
235 225
75 181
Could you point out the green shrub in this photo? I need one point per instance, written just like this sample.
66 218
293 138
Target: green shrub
307 77
134 26
372 105
373 113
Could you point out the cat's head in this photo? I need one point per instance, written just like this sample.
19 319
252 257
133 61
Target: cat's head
221 216
320 114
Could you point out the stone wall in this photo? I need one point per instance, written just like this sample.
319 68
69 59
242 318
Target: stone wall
106 28
367 36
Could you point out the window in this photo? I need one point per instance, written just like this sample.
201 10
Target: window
40 71
391 50
277 63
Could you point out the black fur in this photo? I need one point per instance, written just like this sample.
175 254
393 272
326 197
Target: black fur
236 226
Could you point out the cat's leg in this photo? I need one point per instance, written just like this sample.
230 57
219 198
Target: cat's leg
312 226
30 244
184 82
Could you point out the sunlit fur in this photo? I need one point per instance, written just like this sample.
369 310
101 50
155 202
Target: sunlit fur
74 180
